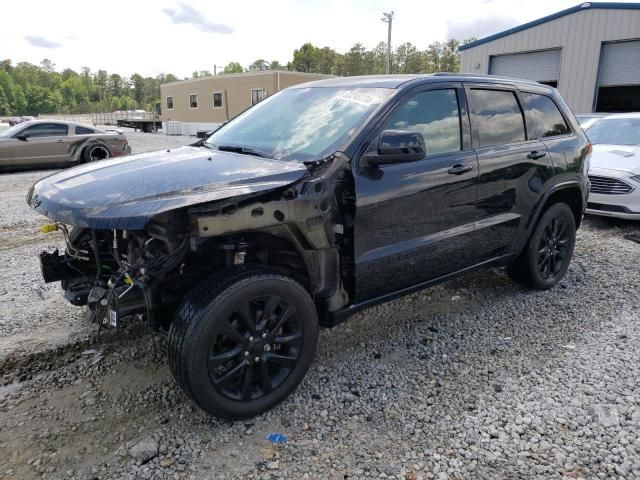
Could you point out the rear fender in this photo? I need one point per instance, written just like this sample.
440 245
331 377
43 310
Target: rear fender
541 205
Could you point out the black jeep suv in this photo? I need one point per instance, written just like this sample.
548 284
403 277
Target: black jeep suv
319 201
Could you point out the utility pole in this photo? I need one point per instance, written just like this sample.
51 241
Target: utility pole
215 69
388 18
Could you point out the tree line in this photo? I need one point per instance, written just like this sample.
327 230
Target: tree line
28 89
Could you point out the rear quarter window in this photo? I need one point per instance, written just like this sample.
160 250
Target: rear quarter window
497 116
84 131
545 115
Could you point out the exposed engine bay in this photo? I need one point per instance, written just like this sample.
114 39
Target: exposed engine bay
304 229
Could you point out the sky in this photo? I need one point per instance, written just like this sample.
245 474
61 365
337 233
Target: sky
180 36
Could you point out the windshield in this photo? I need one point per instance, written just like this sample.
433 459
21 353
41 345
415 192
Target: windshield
615 131
11 131
301 124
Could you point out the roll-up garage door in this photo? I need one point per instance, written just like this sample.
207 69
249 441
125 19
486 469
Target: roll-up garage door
619 77
543 66
620 64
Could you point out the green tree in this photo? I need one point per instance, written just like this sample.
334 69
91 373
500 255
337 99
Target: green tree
259 65
75 94
233 67
354 60
325 59
138 83
201 73
305 58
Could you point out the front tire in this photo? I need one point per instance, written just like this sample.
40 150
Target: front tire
241 342
546 257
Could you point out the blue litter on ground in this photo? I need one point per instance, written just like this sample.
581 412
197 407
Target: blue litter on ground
276 438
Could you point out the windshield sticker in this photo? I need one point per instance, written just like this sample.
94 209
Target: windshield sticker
360 98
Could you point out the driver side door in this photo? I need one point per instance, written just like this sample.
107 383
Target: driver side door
45 143
6 145
414 221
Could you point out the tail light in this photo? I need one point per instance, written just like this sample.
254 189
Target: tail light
586 165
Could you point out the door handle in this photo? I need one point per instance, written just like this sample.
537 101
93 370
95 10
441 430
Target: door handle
536 154
59 141
460 168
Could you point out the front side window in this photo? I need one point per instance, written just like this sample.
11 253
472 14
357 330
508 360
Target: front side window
543 112
193 101
169 103
45 130
217 100
435 115
301 124
498 117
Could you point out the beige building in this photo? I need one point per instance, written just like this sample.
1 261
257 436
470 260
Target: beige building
204 103
590 52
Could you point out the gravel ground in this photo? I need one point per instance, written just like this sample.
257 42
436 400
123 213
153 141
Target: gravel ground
476 378
34 316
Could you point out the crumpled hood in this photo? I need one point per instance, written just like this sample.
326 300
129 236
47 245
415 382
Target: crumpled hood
625 158
126 193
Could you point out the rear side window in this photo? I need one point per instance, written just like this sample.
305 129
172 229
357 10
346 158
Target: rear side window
498 117
545 115
84 131
435 115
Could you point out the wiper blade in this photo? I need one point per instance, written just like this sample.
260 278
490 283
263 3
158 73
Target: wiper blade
240 149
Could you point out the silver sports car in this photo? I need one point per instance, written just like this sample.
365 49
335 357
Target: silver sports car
56 142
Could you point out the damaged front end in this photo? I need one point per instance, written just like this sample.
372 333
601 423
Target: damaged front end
115 272
302 227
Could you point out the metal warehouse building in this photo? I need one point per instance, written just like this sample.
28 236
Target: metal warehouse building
204 103
590 52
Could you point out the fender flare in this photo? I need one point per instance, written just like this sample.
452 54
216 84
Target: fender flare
539 208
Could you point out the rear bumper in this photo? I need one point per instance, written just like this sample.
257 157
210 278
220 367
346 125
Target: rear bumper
126 151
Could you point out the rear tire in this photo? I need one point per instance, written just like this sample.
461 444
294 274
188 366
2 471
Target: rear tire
241 342
95 153
546 257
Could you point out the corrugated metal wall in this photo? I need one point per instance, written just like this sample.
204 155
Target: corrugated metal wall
580 35
538 66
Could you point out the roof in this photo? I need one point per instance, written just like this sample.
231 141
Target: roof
397 81
53 120
243 74
548 18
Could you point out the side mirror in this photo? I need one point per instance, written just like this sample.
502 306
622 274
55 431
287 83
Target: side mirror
398 146
24 138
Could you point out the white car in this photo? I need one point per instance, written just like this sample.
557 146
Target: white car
615 166
587 119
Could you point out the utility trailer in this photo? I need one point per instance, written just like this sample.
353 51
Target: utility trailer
146 125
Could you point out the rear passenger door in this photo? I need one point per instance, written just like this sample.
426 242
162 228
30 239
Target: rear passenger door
513 168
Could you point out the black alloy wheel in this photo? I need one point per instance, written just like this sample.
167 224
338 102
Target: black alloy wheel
256 349
553 247
546 257
243 340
